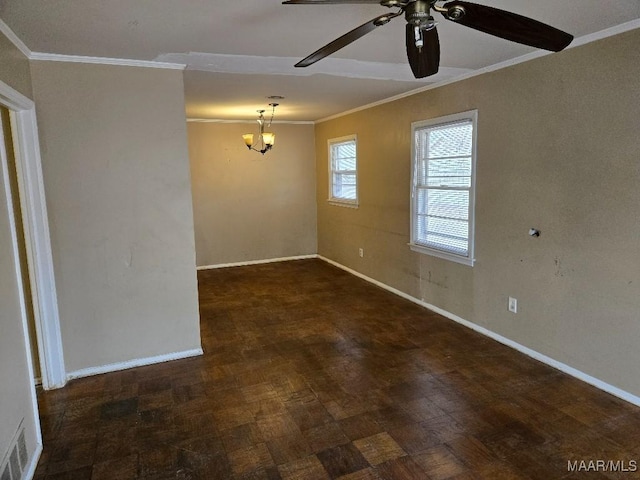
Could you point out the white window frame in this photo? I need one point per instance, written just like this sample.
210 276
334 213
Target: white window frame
340 201
414 244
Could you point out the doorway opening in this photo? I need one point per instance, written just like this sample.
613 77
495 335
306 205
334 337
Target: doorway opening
7 137
23 137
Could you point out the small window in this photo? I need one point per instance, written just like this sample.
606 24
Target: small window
443 187
343 171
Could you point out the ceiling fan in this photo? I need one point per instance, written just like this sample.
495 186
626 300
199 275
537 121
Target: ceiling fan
423 45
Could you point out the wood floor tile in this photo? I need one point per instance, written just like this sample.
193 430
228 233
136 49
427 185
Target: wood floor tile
77 474
402 468
342 460
248 459
310 414
158 462
325 436
278 425
440 463
415 438
119 408
122 468
365 474
232 417
307 468
311 373
379 448
288 448
241 436
153 401
360 426
471 451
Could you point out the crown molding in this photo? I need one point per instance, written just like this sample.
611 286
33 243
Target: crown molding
224 120
126 62
585 39
13 38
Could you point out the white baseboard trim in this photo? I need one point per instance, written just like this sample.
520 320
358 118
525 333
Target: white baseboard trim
33 463
139 362
257 262
613 390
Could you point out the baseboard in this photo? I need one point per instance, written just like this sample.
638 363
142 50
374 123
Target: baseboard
256 262
613 390
139 362
33 463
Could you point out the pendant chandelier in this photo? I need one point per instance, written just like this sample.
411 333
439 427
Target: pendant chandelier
266 139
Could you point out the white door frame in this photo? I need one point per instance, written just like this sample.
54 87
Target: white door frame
37 237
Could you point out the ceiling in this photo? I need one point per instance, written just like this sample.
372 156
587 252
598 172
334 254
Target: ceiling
238 52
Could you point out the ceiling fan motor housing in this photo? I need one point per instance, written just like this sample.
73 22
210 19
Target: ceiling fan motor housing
418 14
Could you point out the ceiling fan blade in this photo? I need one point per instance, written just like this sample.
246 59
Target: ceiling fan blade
326 2
424 61
507 25
345 40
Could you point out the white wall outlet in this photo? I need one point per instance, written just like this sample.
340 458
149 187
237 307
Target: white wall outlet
361 252
513 305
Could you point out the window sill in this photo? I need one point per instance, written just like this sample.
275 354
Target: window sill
340 203
440 254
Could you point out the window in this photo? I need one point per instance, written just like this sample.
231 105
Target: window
343 173
443 186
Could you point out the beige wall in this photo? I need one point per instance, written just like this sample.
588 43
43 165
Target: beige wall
116 174
14 67
558 150
248 206
15 378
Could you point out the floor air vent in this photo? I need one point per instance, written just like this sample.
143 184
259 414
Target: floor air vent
15 461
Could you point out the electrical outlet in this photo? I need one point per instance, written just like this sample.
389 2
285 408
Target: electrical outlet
361 252
513 305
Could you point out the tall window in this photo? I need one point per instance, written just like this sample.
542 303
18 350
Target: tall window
443 186
343 171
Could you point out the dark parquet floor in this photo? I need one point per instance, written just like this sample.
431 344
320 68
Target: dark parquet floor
311 373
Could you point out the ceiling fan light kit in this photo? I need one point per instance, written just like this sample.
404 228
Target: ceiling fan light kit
422 42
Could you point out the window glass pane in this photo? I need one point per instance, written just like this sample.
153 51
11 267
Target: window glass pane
344 178
457 167
444 226
344 156
458 246
450 140
448 203
346 163
347 192
427 236
443 203
447 172
344 186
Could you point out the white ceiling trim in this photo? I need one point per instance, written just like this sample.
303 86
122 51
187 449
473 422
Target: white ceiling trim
609 32
13 38
340 67
223 120
55 57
